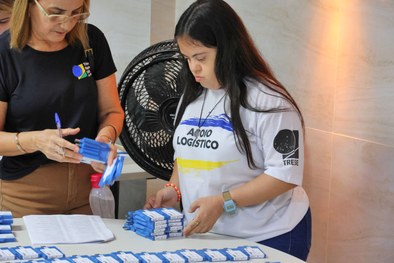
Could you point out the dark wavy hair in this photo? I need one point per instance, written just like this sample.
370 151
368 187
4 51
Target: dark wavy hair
215 24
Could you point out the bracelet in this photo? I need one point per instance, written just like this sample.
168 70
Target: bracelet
176 190
18 145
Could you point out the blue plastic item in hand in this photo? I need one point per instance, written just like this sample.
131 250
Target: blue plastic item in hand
93 151
112 172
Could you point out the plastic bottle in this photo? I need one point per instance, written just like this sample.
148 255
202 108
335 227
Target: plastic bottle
102 201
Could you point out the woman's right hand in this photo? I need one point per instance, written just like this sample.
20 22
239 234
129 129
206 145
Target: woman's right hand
166 197
55 147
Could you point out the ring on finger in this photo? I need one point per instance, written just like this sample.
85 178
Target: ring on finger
196 223
61 151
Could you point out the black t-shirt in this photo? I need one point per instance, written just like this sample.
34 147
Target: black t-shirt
37 84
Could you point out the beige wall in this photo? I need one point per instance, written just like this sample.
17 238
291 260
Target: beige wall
337 58
162 20
126 24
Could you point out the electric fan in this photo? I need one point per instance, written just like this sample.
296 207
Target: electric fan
149 92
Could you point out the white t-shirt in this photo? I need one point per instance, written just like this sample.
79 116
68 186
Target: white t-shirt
211 163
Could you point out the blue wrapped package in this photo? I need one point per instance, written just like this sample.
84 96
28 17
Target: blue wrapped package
150 225
93 151
158 214
172 213
82 259
7 254
235 254
155 231
61 260
112 172
171 257
5 229
107 258
38 261
25 252
49 252
149 216
254 252
146 257
151 236
127 256
215 255
193 255
6 218
175 234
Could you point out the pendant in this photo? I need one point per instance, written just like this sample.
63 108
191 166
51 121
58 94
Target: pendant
197 133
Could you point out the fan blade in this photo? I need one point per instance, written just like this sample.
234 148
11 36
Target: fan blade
144 119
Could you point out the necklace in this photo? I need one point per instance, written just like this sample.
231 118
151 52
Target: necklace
200 124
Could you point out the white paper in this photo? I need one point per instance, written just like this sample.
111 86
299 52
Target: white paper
66 229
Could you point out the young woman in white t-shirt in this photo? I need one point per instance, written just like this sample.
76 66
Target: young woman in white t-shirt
239 138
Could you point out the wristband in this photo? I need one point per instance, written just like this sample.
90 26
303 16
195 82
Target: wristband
176 190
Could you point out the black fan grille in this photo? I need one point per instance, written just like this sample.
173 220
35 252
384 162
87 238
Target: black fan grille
149 91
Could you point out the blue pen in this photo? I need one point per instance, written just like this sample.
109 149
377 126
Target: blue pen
58 125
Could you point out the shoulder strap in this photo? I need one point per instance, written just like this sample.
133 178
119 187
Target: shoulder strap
89 55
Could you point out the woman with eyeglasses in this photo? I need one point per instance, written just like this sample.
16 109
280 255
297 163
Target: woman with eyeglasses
5 14
53 62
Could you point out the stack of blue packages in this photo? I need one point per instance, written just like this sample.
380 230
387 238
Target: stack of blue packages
24 253
129 224
156 224
6 221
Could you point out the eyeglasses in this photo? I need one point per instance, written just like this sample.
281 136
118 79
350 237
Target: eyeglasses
62 18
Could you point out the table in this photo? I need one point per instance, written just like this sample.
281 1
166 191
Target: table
130 241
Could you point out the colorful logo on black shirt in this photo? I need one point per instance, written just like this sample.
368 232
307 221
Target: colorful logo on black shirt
286 143
82 70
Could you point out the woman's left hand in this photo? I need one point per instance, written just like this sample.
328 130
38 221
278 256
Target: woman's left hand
209 210
100 167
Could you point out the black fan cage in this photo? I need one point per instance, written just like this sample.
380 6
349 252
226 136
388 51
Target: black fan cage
149 92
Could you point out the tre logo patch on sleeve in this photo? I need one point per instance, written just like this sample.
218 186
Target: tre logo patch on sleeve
286 143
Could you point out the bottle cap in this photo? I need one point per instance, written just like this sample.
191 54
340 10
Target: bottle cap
95 179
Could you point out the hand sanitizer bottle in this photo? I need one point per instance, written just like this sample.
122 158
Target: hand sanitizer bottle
101 199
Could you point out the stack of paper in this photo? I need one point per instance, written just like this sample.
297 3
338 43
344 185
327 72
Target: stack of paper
66 229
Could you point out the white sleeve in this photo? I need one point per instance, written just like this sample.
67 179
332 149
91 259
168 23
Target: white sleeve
281 140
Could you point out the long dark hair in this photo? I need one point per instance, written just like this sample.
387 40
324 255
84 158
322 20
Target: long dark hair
216 25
